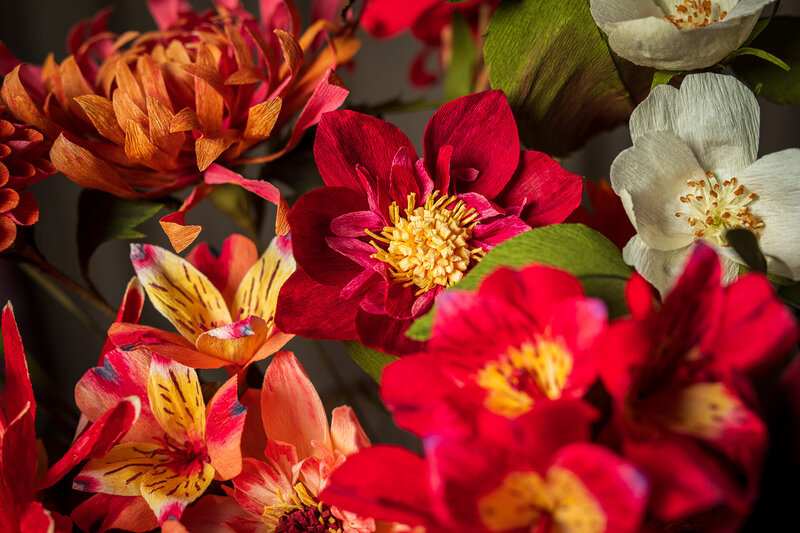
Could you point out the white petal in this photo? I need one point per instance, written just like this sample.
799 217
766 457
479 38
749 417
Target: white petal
746 8
659 267
611 11
654 173
716 115
775 178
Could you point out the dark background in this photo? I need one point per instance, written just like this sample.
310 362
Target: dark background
65 348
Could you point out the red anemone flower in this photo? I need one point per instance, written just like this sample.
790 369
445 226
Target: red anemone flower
684 408
524 337
19 483
429 22
390 231
532 473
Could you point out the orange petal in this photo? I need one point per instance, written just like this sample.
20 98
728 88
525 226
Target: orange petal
126 82
261 119
226 418
292 52
100 111
173 224
160 119
82 167
234 343
166 344
21 105
274 342
153 81
185 120
176 400
208 99
74 85
127 110
138 146
347 435
209 148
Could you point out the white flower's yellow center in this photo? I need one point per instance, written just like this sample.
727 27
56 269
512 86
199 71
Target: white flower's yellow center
696 14
535 371
712 209
428 245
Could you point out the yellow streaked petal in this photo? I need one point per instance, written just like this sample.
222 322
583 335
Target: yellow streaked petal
257 294
179 291
121 471
176 400
168 492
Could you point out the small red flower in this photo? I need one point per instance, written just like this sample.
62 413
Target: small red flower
533 473
684 408
391 231
524 337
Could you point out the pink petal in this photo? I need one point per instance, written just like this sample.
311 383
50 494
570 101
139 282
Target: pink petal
290 406
354 224
490 235
166 12
482 131
347 434
225 422
483 207
357 250
402 180
258 485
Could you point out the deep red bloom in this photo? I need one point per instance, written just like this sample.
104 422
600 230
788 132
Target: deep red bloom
19 510
524 337
533 473
391 231
429 22
607 214
23 162
684 408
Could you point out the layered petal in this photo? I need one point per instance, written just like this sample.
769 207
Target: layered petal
225 418
257 294
176 400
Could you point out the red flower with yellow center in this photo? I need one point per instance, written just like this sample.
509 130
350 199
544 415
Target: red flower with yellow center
178 445
523 338
223 307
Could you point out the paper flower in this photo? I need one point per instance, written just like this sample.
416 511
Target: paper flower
281 494
429 22
20 512
23 162
677 378
142 115
676 34
175 448
524 337
223 308
693 174
535 473
390 231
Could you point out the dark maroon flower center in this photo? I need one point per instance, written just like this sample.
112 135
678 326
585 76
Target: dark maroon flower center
315 519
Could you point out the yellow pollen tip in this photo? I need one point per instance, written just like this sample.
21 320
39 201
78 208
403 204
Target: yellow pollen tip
695 14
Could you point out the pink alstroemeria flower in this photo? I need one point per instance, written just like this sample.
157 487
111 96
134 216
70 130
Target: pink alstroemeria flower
391 231
20 512
302 451
684 408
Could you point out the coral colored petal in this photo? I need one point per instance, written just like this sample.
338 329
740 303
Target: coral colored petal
386 482
95 441
176 400
226 270
179 291
257 294
258 485
234 343
171 345
87 170
26 212
130 310
210 513
103 512
310 220
347 435
316 311
254 440
174 224
225 422
346 139
290 406
482 131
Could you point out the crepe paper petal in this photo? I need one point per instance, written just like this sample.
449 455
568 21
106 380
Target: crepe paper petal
130 310
174 224
354 224
120 471
169 504
225 421
258 486
173 526
234 343
639 295
254 440
103 512
261 118
482 131
291 409
18 452
34 517
170 345
347 435
87 170
347 138
176 400
96 441
18 395
166 12
101 112
179 291
22 106
227 269
386 334
384 481
211 514
383 19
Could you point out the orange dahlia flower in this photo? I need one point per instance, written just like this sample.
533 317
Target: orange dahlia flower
140 115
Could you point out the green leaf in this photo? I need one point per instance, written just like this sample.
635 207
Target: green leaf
561 78
460 72
745 243
663 77
103 217
372 361
575 248
781 39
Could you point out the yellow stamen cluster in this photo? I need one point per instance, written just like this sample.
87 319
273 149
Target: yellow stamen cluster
428 245
712 209
523 497
299 499
509 381
696 14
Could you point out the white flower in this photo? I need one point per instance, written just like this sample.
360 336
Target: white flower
692 174
676 34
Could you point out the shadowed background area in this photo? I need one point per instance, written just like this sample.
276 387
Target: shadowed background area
62 347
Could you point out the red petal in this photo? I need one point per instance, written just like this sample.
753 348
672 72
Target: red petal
18 389
225 421
226 270
130 310
102 512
